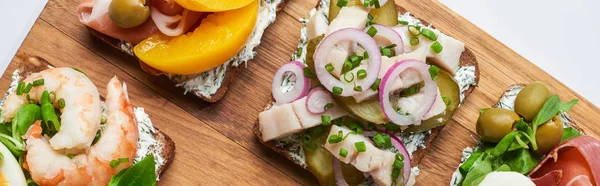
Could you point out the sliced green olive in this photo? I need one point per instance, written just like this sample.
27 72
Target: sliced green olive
549 135
448 89
319 160
334 10
386 15
495 123
531 99
128 13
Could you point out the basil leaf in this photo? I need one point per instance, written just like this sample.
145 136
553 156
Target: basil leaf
504 144
549 110
480 169
569 133
503 168
521 161
142 173
465 167
568 105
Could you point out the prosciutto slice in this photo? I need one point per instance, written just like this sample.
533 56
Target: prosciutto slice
94 14
575 162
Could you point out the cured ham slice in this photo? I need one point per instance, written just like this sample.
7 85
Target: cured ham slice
575 162
94 14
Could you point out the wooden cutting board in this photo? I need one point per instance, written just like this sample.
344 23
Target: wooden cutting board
215 143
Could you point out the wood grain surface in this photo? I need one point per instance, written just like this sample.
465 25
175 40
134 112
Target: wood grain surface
215 143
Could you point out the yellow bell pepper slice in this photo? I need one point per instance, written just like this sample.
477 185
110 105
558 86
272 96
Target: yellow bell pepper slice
213 5
219 37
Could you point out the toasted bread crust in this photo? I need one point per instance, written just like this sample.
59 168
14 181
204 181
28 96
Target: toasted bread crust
467 58
230 74
32 64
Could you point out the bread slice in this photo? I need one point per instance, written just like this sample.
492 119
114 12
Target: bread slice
125 47
32 64
467 58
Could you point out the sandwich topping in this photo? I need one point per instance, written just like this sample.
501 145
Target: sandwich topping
43 135
526 125
358 100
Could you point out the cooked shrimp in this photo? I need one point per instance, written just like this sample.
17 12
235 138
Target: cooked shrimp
118 140
81 115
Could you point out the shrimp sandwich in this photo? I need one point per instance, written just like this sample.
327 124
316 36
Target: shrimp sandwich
57 130
197 44
368 90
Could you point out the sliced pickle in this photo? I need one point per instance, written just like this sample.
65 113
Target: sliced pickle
352 175
334 10
319 161
311 46
386 15
449 88
368 110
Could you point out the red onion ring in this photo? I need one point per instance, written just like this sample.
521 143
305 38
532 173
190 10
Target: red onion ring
299 89
317 99
381 3
399 145
391 35
327 44
337 170
385 89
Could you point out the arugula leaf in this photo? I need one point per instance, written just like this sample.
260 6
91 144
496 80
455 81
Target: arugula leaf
549 110
503 168
521 161
466 166
504 144
568 105
569 133
142 173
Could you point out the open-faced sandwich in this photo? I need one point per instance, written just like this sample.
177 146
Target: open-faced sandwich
369 88
198 44
527 138
57 130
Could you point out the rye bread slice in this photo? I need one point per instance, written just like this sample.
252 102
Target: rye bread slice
230 74
467 58
31 64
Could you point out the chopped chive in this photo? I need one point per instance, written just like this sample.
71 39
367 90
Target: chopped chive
403 22
357 128
38 82
61 103
337 122
429 34
414 41
400 157
361 74
358 88
360 146
414 30
347 67
337 90
326 120
355 60
115 163
29 100
343 152
376 3
299 52
366 55
347 78
398 164
20 87
411 90
382 141
308 73
52 96
433 71
437 47
103 120
391 46
372 31
370 20
367 3
27 88
328 67
328 106
386 52
375 85
447 100
391 126
342 3
395 174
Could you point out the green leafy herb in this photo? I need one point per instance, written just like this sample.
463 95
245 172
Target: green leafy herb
360 146
429 34
20 88
299 52
568 105
403 22
550 109
343 152
434 71
569 133
309 73
115 163
372 31
326 120
358 88
414 41
361 74
382 141
503 168
391 126
375 85
414 30
437 47
342 3
142 173
328 106
357 128
38 82
27 88
348 78
370 20
337 90
387 52
466 166
347 66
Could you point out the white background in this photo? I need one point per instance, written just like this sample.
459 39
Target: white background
560 36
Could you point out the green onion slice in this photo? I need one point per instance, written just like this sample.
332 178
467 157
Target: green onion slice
414 41
437 47
342 3
414 30
361 74
429 34
337 90
372 31
343 152
329 67
347 78
360 146
38 82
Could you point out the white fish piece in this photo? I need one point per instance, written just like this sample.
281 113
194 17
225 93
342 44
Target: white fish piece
383 175
423 42
347 144
386 63
277 122
349 17
373 158
449 58
439 106
317 25
309 120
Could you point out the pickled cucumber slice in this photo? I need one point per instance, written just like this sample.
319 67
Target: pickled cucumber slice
334 10
311 46
319 161
368 110
352 175
386 15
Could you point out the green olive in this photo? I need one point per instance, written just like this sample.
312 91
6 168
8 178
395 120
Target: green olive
549 135
495 123
128 13
531 99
